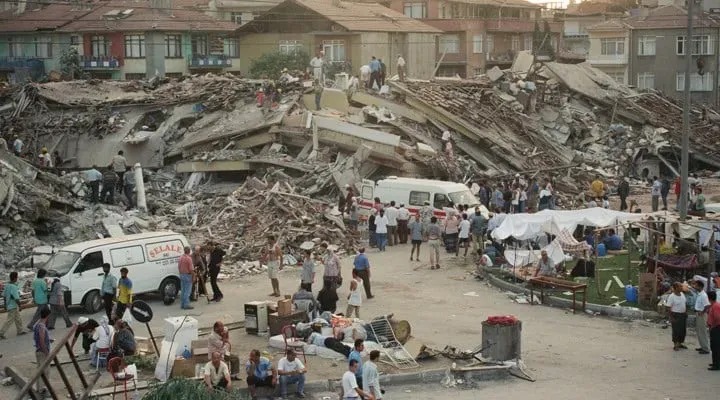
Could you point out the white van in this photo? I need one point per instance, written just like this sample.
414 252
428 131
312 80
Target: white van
415 192
151 260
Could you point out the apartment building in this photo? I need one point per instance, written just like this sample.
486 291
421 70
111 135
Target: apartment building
480 34
349 33
578 17
648 51
238 11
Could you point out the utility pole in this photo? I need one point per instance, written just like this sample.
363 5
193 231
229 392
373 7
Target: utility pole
684 155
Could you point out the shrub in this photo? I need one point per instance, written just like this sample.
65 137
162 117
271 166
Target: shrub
270 65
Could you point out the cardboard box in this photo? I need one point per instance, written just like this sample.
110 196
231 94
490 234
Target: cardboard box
185 367
199 347
284 307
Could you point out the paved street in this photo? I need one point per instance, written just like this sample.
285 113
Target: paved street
572 356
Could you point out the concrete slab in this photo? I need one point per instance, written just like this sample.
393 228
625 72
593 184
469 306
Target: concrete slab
334 99
523 62
397 109
494 73
425 150
359 132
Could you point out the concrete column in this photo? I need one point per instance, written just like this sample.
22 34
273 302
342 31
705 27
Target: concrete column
140 201
154 54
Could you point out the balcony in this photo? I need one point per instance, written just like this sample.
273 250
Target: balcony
209 61
618 59
99 63
575 35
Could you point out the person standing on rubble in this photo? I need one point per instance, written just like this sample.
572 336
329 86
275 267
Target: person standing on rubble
401 68
392 224
374 73
94 177
119 166
551 192
316 65
664 191
129 187
655 193
383 72
318 90
274 258
109 184
216 258
403 218
349 195
624 192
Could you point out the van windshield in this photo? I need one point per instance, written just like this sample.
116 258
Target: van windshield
464 197
61 262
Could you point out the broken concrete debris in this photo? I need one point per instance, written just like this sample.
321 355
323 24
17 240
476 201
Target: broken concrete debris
232 160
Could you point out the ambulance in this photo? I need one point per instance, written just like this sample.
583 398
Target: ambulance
413 192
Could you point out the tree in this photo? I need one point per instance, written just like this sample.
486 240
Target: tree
270 65
70 63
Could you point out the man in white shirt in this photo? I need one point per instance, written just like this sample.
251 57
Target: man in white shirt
351 391
403 219
702 305
217 373
655 193
401 68
371 377
463 235
317 64
291 371
392 215
677 313
381 229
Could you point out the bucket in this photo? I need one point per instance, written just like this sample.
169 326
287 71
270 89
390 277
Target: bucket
631 294
602 251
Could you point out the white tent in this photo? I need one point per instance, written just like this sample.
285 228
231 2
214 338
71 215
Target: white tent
530 226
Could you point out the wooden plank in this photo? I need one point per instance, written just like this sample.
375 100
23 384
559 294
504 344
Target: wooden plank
20 380
132 385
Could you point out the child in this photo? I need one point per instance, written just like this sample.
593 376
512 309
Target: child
355 296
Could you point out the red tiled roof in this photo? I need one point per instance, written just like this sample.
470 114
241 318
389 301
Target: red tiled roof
355 17
184 16
47 18
669 17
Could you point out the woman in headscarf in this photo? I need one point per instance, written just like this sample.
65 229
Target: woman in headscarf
102 336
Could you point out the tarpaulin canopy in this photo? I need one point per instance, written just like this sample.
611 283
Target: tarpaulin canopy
530 226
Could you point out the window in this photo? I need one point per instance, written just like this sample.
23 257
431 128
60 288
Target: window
477 44
127 256
334 50
99 46
416 10
199 45
15 48
419 198
450 44
702 45
173 46
443 11
290 46
231 48
528 45
612 46
41 47
441 201
646 46
698 83
515 43
74 40
135 76
134 46
618 77
646 80
91 261
237 17
490 44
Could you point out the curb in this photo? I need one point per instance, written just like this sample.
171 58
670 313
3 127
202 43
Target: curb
617 312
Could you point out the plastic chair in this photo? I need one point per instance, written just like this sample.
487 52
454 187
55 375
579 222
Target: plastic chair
289 334
116 367
101 355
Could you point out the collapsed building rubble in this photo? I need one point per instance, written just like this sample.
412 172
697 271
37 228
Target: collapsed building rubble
199 137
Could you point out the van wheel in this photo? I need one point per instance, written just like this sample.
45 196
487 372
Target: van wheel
169 288
93 302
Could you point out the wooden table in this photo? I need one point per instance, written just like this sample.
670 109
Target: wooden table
548 282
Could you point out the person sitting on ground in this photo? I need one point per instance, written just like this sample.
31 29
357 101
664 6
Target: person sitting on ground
291 371
86 328
217 373
260 373
484 261
219 340
613 241
303 300
328 298
123 343
545 267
